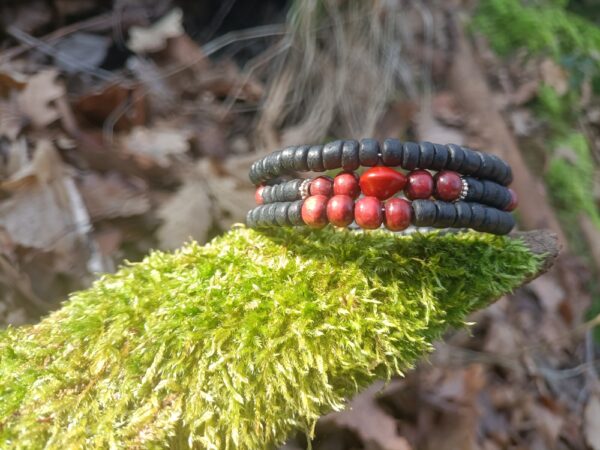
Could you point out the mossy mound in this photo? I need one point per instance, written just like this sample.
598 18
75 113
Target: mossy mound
238 343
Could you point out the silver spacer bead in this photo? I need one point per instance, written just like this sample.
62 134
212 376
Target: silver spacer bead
464 190
304 188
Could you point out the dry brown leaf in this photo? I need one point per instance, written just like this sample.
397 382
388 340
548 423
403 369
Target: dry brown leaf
39 214
591 422
154 38
365 417
111 196
35 100
10 82
186 215
161 143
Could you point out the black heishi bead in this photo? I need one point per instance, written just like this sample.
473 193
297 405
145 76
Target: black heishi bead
260 215
497 168
495 195
410 158
291 191
463 214
506 223
249 220
278 161
488 168
471 163
262 169
488 222
280 192
477 215
256 214
446 214
482 163
287 158
350 159
427 153
272 164
440 158
295 212
271 212
281 217
475 191
496 226
266 194
508 178
457 156
425 213
368 152
392 152
300 158
332 155
253 174
314 159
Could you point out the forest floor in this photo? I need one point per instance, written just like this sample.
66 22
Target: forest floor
129 127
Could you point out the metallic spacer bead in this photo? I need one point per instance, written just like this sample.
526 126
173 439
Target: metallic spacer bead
304 188
464 191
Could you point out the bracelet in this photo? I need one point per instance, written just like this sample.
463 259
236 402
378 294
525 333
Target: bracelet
349 155
396 214
383 182
469 189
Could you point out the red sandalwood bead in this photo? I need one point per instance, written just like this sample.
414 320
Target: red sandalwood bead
419 185
340 210
368 213
381 182
346 184
514 201
321 186
448 185
398 213
314 211
258 195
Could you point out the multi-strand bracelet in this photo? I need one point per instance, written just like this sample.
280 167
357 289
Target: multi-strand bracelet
469 189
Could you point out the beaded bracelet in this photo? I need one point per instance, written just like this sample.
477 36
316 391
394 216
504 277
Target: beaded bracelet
383 182
349 155
396 214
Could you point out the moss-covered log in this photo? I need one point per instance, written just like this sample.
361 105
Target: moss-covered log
238 343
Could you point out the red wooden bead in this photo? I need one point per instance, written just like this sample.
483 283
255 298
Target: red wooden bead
398 213
340 210
514 201
419 185
381 182
321 186
314 211
258 195
448 185
368 212
346 184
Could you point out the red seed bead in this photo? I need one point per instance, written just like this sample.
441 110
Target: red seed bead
258 195
340 210
448 185
368 213
346 184
381 182
321 186
398 214
514 201
419 185
314 211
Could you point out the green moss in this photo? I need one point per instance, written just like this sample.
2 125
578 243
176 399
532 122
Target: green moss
238 343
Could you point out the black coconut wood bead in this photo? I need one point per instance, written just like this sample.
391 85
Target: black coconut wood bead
332 155
300 158
392 152
426 155
287 158
463 214
410 157
295 212
350 161
368 152
281 217
440 157
314 158
424 213
456 157
477 215
446 214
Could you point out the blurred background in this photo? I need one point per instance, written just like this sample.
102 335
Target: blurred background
127 126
